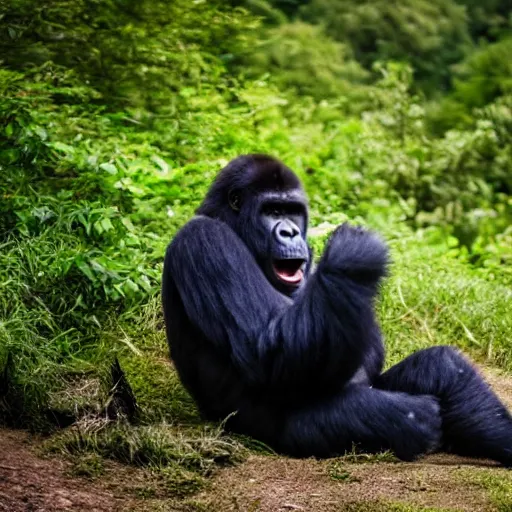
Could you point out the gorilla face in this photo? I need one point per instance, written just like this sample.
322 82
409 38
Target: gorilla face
273 225
288 253
263 202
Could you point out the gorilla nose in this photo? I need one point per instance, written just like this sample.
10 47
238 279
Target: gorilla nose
286 231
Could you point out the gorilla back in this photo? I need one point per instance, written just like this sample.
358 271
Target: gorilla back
294 358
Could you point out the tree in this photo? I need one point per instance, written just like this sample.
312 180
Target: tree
488 19
430 34
300 56
485 75
131 51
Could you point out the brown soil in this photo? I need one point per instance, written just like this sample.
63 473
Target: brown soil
277 484
30 483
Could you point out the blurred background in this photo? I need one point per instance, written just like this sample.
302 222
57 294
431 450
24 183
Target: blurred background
115 115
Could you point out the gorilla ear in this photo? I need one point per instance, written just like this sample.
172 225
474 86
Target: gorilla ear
235 200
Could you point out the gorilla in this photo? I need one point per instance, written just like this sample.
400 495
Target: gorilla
293 357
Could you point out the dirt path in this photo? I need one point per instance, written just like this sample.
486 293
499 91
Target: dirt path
271 485
29 483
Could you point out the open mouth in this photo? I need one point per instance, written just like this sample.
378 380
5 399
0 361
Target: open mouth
289 271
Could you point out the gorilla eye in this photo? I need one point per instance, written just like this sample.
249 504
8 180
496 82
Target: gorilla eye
274 210
235 201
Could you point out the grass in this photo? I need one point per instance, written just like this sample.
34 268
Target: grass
198 449
355 457
433 299
179 459
338 472
89 465
497 485
337 468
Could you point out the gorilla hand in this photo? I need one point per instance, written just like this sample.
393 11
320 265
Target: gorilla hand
357 254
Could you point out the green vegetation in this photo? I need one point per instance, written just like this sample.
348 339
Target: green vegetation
498 485
89 466
116 115
179 459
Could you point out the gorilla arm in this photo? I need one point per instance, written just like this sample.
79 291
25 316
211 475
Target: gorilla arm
324 333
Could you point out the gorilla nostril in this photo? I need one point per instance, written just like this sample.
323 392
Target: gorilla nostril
287 232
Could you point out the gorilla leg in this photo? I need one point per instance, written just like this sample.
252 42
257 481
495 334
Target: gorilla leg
371 419
475 422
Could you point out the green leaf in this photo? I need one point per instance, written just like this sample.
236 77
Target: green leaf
84 268
98 227
161 163
108 167
60 146
127 223
106 224
41 132
144 283
131 287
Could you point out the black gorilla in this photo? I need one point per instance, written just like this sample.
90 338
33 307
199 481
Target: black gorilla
297 356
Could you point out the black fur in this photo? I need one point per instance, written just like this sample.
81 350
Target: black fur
303 372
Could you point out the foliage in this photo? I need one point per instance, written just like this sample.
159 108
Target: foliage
302 58
116 47
431 35
485 75
273 10
262 9
488 19
114 119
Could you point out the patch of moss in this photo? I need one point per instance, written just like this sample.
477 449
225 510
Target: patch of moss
89 465
338 471
157 388
498 484
176 481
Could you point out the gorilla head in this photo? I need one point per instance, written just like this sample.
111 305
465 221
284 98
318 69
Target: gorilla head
263 202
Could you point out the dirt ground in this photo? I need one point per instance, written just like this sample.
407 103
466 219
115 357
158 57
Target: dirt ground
31 483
